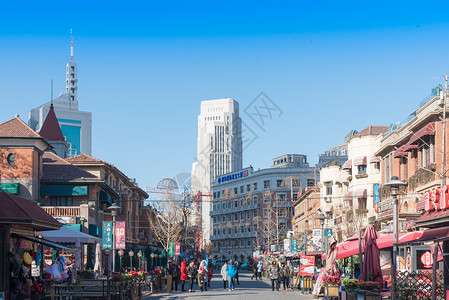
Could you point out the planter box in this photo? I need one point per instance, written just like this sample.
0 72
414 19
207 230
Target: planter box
348 295
368 295
331 290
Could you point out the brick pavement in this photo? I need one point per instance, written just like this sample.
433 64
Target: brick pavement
247 289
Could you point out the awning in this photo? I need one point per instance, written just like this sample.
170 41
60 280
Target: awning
360 193
351 247
347 165
437 234
348 196
360 161
429 129
374 159
43 242
409 147
433 218
67 235
400 152
421 205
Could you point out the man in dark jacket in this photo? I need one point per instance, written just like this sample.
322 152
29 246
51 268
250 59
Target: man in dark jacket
191 274
170 274
254 270
274 272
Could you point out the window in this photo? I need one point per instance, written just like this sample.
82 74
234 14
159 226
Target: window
236 203
242 216
310 182
236 217
241 189
235 230
361 169
218 206
427 151
255 185
266 212
248 188
254 213
249 228
255 198
266 184
242 243
279 182
328 188
266 198
248 242
282 196
255 227
229 218
362 203
403 169
235 190
242 229
224 205
248 215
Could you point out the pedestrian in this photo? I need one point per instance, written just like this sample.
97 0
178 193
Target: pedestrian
274 272
254 270
259 269
232 271
183 275
170 274
201 275
224 274
210 272
203 265
176 276
285 275
191 273
237 267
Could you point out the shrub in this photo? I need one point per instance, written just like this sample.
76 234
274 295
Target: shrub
368 285
350 283
331 279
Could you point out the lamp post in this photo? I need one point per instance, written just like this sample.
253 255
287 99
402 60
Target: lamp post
139 255
121 253
113 208
157 261
322 218
152 260
107 252
394 185
131 254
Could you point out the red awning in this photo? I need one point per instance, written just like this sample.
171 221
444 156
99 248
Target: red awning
348 196
439 234
421 205
409 147
359 161
374 159
429 129
347 165
400 152
351 247
360 193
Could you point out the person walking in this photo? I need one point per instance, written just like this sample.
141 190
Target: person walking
232 271
201 275
183 275
210 272
191 273
285 275
175 276
224 274
274 272
259 269
237 267
203 267
170 273
254 270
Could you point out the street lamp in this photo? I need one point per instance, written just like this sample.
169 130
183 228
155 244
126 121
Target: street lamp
152 260
107 252
113 208
139 255
322 218
121 253
394 185
131 254
157 257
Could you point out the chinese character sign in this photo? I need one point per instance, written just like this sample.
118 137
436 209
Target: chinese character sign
178 249
171 248
120 236
294 245
107 235
307 267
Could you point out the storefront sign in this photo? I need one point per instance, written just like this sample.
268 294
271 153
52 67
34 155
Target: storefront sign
294 245
376 197
178 249
231 177
307 267
120 237
427 259
437 199
287 244
107 235
317 240
171 248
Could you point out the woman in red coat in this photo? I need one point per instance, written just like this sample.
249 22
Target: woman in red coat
183 274
210 271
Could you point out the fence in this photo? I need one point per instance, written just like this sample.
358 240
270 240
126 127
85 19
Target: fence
417 285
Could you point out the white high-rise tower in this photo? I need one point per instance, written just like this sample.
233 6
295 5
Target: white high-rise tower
219 150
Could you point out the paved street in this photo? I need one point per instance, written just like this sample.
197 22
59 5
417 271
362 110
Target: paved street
247 289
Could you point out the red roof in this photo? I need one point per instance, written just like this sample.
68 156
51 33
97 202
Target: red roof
51 130
429 129
57 169
17 210
17 128
433 216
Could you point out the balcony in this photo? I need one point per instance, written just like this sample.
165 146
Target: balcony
233 210
62 211
233 236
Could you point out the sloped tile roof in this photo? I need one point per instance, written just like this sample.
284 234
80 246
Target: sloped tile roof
17 128
57 169
51 130
371 130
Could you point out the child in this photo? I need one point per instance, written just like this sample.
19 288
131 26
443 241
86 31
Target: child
201 278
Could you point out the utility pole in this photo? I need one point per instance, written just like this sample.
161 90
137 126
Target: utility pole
443 164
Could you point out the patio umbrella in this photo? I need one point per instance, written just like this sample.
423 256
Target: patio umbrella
331 257
371 259
98 268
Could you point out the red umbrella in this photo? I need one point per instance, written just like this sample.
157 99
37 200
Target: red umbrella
371 259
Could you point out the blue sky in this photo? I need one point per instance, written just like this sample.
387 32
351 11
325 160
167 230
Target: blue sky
144 67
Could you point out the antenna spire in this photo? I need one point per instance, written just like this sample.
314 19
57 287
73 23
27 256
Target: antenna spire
71 46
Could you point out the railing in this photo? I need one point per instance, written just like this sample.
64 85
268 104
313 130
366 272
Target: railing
62 211
233 209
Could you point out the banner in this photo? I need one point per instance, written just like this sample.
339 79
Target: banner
317 240
171 248
294 245
287 245
178 249
307 267
120 237
107 235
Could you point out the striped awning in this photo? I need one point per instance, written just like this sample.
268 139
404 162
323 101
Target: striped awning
348 196
374 159
429 129
360 193
360 161
347 165
400 152
409 147
421 205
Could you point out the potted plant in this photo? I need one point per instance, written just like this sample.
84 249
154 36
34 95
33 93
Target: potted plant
331 285
349 287
369 290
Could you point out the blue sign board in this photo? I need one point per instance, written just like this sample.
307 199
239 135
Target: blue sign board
294 247
376 197
233 176
107 235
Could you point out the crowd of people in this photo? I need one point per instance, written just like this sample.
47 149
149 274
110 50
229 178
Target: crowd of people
202 272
